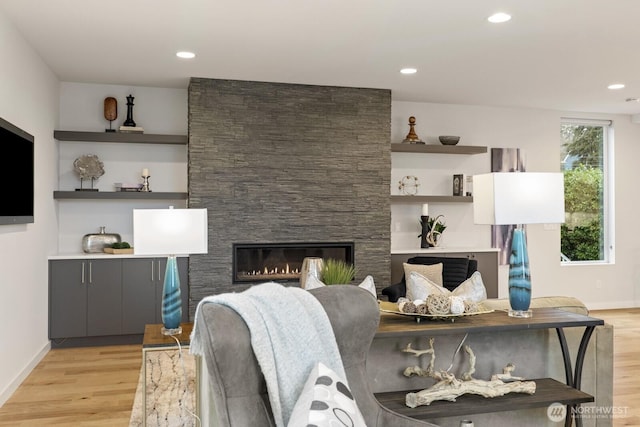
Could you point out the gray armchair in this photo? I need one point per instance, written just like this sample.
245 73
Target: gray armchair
233 392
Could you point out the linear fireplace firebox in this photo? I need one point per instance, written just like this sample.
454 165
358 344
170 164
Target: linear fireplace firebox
282 262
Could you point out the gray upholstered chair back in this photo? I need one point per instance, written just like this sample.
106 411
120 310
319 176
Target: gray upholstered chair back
237 387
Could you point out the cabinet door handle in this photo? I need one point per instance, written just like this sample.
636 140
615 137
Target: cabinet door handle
153 277
82 276
159 271
90 272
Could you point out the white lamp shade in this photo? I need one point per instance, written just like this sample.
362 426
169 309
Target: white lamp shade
505 198
169 231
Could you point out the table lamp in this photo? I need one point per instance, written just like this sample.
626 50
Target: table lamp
518 198
170 232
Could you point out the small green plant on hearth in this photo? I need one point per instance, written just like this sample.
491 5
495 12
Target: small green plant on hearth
336 272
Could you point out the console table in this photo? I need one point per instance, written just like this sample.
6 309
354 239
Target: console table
548 390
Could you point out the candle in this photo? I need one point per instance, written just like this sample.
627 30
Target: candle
145 172
425 209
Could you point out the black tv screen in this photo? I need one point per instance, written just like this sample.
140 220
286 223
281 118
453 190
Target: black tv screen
17 175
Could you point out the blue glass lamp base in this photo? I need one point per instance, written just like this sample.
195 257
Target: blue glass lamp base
171 300
519 276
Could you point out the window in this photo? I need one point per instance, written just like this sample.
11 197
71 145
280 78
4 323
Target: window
586 235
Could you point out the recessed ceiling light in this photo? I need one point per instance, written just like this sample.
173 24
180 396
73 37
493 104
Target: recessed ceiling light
499 17
185 55
409 71
615 86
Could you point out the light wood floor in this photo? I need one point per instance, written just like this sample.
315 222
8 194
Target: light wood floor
91 386
626 362
95 386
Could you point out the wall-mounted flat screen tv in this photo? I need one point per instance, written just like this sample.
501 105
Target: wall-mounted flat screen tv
16 175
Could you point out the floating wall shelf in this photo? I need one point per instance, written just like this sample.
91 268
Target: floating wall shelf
431 199
123 137
121 195
437 149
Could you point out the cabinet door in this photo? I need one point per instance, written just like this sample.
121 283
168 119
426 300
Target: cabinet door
68 281
104 297
183 274
141 287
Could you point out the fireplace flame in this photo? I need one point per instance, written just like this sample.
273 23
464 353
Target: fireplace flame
272 273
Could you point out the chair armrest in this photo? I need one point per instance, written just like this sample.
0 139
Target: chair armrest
394 292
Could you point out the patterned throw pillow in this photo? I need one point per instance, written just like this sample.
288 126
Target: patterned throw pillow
313 282
420 287
325 401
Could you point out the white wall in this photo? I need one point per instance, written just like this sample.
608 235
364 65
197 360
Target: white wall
158 111
30 101
537 133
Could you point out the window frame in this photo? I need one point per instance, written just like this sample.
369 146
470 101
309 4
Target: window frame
608 197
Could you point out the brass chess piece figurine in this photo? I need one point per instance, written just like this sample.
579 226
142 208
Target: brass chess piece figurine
412 137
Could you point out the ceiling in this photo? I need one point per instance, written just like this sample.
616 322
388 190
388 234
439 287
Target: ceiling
555 54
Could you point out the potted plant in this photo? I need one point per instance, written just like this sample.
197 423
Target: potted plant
337 272
431 231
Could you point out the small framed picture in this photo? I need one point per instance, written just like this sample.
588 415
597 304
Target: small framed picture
458 185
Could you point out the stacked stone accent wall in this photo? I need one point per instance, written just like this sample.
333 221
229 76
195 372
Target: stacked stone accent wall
279 162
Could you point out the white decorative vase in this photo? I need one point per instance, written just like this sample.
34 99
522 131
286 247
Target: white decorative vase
313 266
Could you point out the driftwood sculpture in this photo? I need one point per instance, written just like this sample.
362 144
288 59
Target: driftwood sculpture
448 387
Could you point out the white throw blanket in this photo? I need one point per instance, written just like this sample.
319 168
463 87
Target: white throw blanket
290 333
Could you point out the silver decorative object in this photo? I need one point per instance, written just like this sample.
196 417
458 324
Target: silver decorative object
88 166
313 266
95 243
145 184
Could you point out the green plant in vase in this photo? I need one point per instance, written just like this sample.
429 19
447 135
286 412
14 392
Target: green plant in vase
434 229
337 272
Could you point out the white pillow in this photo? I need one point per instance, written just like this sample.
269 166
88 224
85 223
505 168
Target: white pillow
471 289
325 401
420 287
313 282
432 272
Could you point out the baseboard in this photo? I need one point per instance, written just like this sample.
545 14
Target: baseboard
22 375
97 341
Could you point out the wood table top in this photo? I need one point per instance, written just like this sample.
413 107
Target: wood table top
153 336
543 318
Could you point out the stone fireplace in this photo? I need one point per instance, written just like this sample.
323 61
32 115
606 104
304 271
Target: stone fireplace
282 262
276 162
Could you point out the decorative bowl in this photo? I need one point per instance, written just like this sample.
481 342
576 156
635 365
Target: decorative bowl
449 140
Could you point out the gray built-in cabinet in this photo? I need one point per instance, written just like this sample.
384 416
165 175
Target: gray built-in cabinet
102 299
142 281
108 297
